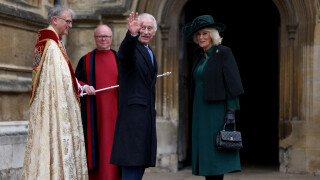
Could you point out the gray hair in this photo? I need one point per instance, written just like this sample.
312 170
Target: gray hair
149 16
214 34
58 11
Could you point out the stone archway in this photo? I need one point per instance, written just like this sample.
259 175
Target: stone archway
296 76
297 83
298 100
244 39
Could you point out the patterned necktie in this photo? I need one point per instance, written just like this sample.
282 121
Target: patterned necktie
151 55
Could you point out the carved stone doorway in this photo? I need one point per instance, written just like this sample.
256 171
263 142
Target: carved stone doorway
253 34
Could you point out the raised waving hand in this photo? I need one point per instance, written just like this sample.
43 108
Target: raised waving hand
134 26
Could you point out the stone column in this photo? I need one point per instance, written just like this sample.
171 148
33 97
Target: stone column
164 100
288 80
57 3
166 128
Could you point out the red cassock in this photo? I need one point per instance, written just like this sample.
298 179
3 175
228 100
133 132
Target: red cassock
107 109
106 75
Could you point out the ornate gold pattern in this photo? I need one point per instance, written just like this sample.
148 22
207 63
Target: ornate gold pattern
55 147
37 55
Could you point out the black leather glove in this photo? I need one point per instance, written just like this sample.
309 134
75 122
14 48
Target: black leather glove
230 116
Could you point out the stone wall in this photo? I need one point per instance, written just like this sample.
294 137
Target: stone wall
299 86
13 136
312 127
19 23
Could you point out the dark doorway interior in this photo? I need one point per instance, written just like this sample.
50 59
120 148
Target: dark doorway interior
253 35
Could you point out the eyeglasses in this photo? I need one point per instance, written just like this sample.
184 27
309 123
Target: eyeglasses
103 37
67 21
149 28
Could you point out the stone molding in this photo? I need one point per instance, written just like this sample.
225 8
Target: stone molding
15 78
13 68
22 3
104 8
27 16
13 128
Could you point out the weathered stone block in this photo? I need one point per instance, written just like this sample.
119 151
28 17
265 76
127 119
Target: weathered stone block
77 45
166 137
11 174
313 134
284 160
119 32
167 162
15 106
313 165
5 156
18 155
297 161
9 140
299 134
17 47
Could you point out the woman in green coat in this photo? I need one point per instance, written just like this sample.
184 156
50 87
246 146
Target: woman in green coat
216 85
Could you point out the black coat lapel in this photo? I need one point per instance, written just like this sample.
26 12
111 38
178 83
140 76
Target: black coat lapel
146 56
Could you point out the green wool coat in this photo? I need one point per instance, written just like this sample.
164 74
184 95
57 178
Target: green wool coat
207 121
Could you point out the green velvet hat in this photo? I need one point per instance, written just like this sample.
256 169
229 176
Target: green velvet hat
200 22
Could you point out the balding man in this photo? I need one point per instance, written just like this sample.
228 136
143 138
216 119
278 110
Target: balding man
96 70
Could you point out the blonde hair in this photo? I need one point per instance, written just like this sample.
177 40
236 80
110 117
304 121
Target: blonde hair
214 34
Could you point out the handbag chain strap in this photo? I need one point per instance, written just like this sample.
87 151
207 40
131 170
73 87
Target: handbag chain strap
233 123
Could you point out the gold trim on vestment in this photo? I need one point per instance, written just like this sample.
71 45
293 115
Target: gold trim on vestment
36 72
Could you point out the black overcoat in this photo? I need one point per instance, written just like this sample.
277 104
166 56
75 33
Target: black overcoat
134 142
221 73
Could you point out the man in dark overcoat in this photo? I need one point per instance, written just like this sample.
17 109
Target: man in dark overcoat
134 145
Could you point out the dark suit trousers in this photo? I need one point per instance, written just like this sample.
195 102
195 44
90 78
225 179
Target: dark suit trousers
216 177
132 172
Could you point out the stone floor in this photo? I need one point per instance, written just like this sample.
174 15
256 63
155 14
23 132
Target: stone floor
248 173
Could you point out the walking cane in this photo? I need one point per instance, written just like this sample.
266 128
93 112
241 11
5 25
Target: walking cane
111 87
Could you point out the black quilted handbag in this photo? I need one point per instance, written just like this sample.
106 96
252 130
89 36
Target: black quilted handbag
230 140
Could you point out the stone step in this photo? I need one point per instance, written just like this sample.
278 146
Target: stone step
248 173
